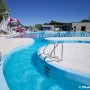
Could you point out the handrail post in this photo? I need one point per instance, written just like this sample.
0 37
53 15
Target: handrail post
54 49
52 54
0 58
62 51
46 47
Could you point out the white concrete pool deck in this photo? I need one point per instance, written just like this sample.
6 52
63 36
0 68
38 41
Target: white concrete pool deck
68 38
76 56
7 45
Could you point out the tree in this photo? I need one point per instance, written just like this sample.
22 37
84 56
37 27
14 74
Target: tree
52 22
85 20
56 24
46 24
38 26
3 8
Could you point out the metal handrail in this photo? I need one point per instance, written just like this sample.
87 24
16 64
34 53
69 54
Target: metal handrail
62 53
50 55
54 49
46 47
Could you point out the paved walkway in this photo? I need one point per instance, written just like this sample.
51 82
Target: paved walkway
68 38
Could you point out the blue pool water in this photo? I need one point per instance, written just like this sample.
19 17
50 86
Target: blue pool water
21 72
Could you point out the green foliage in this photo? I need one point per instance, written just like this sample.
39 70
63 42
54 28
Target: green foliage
3 7
46 24
52 22
85 20
1 17
38 26
56 24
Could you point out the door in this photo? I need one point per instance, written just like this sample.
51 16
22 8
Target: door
83 28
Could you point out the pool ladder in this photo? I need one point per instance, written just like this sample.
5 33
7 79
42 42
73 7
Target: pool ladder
55 58
47 71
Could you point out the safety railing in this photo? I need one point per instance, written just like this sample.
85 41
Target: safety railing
52 54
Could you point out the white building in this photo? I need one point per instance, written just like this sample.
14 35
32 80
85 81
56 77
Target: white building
81 26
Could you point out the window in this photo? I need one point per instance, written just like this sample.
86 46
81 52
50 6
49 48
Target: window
74 28
83 28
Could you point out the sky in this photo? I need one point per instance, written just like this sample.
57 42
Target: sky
32 12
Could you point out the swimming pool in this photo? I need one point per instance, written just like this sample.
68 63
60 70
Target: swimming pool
54 34
21 72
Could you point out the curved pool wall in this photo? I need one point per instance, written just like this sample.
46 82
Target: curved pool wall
62 79
60 73
32 80
3 84
5 57
27 77
51 70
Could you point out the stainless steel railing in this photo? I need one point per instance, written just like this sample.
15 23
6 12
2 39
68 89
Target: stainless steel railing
52 54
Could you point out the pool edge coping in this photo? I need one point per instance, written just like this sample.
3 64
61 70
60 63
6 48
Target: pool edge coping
69 71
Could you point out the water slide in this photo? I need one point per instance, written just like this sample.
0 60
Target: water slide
10 25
